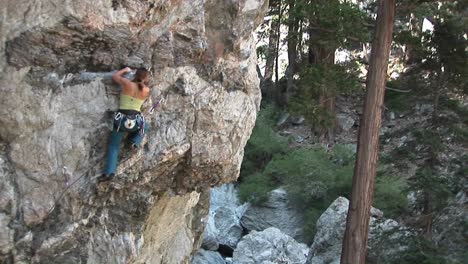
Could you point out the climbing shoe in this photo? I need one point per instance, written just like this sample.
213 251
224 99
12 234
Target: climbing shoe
105 177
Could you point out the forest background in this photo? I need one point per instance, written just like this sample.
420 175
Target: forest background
314 56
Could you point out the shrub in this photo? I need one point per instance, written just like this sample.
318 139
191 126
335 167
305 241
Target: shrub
397 101
409 250
432 186
255 188
390 194
304 172
313 179
311 216
319 80
423 251
264 142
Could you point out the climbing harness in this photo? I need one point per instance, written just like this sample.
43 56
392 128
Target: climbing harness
129 121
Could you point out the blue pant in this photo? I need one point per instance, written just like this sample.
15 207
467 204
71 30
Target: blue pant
118 132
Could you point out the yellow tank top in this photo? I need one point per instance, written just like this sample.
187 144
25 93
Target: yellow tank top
130 103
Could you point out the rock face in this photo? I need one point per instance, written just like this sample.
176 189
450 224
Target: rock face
55 93
331 225
223 225
276 212
268 247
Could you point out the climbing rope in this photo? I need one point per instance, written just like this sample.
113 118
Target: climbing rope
56 201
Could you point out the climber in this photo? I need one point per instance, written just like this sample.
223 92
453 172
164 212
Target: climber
128 120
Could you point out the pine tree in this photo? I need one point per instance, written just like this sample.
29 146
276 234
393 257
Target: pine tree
357 225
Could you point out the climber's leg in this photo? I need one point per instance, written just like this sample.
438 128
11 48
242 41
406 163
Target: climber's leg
137 137
112 154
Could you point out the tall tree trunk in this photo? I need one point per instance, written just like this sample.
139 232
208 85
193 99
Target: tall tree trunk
357 225
416 29
292 52
278 42
327 97
320 54
272 52
438 88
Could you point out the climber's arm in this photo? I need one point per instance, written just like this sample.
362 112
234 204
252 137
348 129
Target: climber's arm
118 77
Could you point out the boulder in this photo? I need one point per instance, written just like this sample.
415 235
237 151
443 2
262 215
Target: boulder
282 121
223 225
326 247
207 257
297 121
276 212
345 121
268 247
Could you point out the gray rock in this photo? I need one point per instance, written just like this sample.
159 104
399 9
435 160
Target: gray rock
276 212
282 120
6 234
331 225
299 139
345 121
424 108
207 257
269 246
402 141
297 121
55 95
210 235
224 219
227 223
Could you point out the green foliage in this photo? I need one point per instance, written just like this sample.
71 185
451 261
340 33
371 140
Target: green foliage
398 101
263 143
310 175
424 140
254 188
421 250
461 175
431 138
433 187
317 80
401 155
262 52
390 194
343 155
440 57
313 180
460 131
457 107
311 215
337 21
458 124
412 249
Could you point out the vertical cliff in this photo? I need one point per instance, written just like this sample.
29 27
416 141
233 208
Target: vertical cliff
55 99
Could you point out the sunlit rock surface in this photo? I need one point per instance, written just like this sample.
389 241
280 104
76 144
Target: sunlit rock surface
269 246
